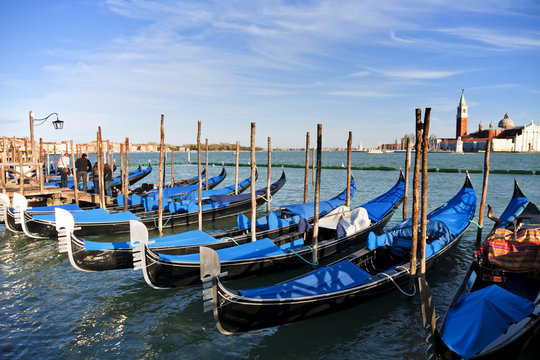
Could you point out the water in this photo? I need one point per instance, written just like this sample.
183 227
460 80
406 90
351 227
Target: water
50 310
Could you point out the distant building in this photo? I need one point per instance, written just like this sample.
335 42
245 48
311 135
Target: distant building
505 137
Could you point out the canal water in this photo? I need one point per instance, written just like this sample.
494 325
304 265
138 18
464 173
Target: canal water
49 310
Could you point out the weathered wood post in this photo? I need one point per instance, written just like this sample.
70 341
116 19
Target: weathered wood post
253 195
55 161
269 174
484 192
126 174
161 171
416 193
306 170
172 167
101 172
75 182
349 145
31 117
21 172
40 172
407 170
199 190
423 228
317 194
313 167
206 164
122 172
236 168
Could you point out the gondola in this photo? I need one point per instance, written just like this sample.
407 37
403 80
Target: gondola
99 221
18 218
89 255
150 198
495 312
189 181
381 267
271 255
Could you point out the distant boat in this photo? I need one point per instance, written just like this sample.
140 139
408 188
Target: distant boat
378 151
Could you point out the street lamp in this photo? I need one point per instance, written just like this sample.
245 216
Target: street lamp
58 125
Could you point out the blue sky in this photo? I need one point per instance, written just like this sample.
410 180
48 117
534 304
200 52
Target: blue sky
360 66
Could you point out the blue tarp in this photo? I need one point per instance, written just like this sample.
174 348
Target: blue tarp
343 275
381 205
450 219
256 249
512 211
93 216
296 211
240 197
399 239
188 238
480 317
67 207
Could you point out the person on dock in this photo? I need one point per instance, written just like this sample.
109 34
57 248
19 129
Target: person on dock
95 178
83 166
63 168
107 179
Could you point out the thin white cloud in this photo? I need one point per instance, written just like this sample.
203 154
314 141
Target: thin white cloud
416 74
496 38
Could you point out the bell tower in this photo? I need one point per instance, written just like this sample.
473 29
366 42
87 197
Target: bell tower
461 118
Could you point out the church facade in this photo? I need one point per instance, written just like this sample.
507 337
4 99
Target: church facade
505 137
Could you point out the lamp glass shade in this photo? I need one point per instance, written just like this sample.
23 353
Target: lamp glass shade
58 124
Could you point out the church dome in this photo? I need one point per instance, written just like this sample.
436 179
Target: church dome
506 122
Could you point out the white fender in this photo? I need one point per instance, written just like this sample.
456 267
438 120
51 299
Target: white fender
4 205
138 235
19 201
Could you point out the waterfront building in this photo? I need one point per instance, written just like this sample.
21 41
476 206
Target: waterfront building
505 137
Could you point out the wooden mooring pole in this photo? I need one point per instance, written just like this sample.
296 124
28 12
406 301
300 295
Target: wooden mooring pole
317 193
161 171
199 190
407 171
484 192
206 165
172 167
126 174
269 174
424 210
253 195
306 171
236 168
349 146
416 193
75 182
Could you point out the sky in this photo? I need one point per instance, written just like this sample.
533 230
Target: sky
350 65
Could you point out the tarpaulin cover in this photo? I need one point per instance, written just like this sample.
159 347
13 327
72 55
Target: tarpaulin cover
275 220
242 197
399 239
343 275
379 207
67 207
189 238
94 216
256 249
480 317
513 210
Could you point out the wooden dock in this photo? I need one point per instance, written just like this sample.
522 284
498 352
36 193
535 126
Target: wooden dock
57 195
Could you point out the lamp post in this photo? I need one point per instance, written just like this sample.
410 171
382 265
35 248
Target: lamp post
58 125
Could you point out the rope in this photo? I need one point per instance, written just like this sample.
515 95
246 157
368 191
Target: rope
477 224
397 211
230 238
300 256
166 222
271 198
397 286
